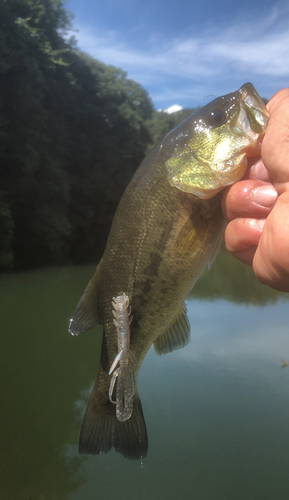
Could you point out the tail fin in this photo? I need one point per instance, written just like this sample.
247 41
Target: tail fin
102 432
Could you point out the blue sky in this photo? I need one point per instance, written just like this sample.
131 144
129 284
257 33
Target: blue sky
182 51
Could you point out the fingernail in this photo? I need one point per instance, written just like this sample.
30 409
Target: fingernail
260 171
257 224
264 196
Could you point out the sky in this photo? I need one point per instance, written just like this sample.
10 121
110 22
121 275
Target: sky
183 52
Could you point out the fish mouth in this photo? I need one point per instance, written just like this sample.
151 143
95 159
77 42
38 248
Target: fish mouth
252 122
253 117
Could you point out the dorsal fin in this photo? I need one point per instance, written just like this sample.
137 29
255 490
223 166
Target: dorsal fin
86 315
176 336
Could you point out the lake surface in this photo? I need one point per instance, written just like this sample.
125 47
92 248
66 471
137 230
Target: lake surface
217 411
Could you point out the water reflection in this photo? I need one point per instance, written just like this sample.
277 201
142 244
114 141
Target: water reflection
41 377
216 411
231 280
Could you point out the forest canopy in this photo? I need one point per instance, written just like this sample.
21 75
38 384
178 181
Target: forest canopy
73 131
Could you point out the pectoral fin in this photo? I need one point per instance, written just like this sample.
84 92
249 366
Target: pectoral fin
86 315
217 248
176 336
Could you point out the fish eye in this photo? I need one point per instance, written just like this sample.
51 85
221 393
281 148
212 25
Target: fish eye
216 117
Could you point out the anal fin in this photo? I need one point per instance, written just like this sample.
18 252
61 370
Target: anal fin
176 336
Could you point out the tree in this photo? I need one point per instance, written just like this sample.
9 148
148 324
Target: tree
73 130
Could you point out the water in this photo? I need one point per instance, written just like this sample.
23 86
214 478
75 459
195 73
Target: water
216 411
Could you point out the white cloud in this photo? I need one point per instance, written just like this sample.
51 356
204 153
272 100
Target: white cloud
198 65
173 109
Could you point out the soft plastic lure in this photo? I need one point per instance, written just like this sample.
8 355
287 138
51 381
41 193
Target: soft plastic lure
123 376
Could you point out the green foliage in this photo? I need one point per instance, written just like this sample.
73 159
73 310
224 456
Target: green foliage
73 130
6 232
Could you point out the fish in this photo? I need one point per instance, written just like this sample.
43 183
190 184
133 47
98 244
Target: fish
167 228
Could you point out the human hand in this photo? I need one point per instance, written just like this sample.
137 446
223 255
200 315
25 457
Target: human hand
257 207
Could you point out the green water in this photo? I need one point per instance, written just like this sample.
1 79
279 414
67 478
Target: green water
217 411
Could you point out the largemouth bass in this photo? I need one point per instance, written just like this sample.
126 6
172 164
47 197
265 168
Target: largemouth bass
167 228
